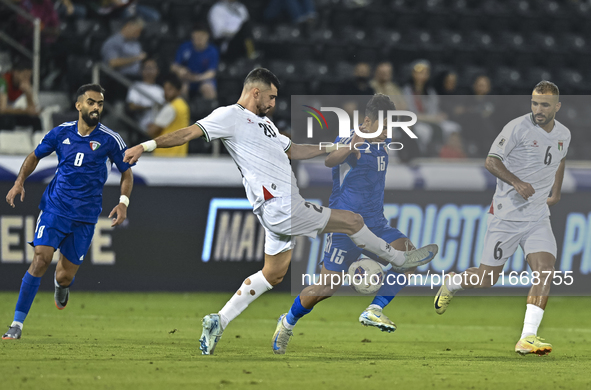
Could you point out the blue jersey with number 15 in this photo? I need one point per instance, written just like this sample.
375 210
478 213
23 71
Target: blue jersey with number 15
358 185
84 163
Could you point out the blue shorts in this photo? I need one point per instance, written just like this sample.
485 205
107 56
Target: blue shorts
71 237
340 251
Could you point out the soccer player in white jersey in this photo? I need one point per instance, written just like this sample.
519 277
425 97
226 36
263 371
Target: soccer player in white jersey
528 159
262 156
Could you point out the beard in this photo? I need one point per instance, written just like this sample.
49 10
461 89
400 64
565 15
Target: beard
545 120
91 121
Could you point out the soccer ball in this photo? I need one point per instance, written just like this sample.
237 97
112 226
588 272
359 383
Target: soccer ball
367 276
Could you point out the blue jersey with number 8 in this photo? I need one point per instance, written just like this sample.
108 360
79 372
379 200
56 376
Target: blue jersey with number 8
84 163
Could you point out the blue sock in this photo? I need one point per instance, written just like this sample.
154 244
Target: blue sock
382 301
29 288
296 312
389 290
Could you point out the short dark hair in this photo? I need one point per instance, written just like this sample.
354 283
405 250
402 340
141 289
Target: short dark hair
200 27
378 102
262 75
89 87
546 87
22 64
174 80
134 20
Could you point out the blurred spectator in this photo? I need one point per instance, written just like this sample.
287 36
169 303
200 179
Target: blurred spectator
123 50
421 97
196 64
481 85
50 22
173 116
475 114
231 30
299 11
70 9
453 147
382 83
17 107
446 83
433 127
360 83
141 107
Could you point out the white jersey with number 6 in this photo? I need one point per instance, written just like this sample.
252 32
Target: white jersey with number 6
258 150
533 155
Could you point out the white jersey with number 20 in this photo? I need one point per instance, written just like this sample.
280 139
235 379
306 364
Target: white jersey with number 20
258 150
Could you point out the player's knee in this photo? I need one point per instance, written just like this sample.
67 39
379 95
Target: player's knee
355 221
63 278
275 279
40 262
545 269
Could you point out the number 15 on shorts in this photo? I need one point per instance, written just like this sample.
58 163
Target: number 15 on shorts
338 255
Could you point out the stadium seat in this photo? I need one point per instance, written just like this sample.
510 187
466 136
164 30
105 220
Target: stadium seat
535 75
282 108
155 30
335 52
37 137
65 116
184 12
15 142
285 70
79 70
314 70
87 26
294 87
323 35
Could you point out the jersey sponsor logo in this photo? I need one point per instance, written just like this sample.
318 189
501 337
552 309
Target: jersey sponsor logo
250 121
66 141
560 145
502 142
94 145
535 144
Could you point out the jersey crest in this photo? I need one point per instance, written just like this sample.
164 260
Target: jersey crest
94 145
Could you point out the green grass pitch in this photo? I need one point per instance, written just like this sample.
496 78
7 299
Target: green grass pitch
149 341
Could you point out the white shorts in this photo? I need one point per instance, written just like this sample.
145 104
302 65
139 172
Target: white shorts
286 217
502 238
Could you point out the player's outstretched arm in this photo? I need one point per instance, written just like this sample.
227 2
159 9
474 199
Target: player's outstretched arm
557 187
120 211
304 152
169 140
336 157
27 168
497 168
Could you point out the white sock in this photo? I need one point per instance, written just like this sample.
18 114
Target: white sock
454 284
287 324
374 307
252 288
365 239
16 323
533 318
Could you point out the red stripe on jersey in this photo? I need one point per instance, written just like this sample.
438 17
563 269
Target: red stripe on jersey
267 194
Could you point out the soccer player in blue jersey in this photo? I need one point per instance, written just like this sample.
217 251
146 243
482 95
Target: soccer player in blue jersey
359 179
72 202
